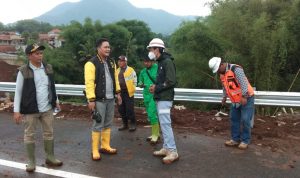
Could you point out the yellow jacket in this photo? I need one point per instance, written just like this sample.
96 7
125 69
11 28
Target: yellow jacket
130 79
90 80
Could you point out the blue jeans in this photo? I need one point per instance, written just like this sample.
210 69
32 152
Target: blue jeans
241 116
164 116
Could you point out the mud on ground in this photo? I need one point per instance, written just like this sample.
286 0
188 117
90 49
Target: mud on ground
280 134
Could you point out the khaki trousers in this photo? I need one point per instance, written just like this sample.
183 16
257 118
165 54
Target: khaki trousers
31 121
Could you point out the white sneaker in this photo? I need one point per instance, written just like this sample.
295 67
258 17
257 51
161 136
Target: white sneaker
243 146
171 157
161 152
231 143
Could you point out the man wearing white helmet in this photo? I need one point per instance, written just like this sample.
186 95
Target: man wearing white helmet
163 91
237 87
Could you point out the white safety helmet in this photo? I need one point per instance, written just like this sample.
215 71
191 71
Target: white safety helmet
156 42
214 64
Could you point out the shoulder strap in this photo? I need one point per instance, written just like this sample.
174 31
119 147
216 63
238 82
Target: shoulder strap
234 66
149 76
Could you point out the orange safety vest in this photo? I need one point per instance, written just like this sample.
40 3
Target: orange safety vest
232 86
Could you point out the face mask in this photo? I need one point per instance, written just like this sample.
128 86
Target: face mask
151 55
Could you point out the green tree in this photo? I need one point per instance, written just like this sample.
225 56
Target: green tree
31 26
2 26
67 70
256 34
119 38
79 45
192 45
292 64
141 35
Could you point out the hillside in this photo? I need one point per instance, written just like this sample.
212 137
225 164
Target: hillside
108 11
7 72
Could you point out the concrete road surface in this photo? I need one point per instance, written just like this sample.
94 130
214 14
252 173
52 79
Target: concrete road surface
200 156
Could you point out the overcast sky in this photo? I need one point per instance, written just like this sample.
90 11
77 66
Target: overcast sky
14 10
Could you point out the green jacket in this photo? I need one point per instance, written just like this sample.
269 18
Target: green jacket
165 79
145 82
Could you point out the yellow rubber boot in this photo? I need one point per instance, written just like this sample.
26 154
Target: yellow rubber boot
105 142
156 130
95 146
155 134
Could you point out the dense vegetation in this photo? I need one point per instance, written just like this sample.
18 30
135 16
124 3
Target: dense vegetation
261 35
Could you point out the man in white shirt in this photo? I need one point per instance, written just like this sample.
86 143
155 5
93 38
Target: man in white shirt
35 99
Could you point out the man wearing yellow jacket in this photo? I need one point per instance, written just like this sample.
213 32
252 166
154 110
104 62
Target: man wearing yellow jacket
101 86
127 80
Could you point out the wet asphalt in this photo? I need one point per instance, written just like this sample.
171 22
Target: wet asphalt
200 156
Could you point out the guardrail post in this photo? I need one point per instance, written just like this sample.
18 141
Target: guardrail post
252 119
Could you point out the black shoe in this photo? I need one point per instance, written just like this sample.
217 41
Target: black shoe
132 128
124 127
148 139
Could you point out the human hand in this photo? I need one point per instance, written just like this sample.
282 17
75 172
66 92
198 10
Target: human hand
92 105
243 101
119 99
152 88
17 117
58 107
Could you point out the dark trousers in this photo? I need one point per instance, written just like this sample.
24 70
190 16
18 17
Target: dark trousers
126 109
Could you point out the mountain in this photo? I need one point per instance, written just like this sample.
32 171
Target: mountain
109 11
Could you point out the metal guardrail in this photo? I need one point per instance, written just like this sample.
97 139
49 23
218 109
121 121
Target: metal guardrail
267 98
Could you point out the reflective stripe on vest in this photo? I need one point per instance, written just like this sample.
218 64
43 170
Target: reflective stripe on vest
129 77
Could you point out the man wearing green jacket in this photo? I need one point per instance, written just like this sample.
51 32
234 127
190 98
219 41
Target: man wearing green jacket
146 79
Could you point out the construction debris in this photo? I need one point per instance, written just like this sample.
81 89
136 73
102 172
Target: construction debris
179 107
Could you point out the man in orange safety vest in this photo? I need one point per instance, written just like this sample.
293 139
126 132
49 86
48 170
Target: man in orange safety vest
237 87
